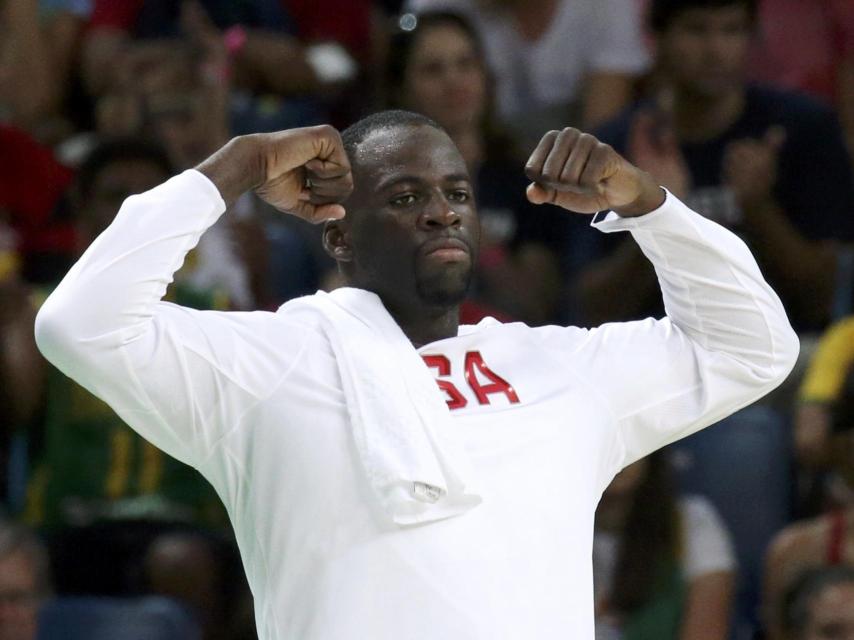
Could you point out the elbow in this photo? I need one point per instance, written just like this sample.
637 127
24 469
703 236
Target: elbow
787 347
52 336
58 333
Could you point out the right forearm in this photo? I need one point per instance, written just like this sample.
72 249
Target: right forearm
235 169
109 297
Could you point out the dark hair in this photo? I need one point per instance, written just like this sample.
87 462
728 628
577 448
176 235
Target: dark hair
799 597
114 150
649 544
356 133
843 407
661 13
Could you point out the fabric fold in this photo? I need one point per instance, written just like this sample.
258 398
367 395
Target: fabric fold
401 426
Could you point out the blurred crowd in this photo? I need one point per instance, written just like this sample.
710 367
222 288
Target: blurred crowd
743 108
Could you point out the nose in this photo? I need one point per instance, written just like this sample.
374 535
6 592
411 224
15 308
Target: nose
438 214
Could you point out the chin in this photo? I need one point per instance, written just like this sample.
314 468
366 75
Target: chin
444 292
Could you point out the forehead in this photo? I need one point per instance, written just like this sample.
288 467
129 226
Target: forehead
419 151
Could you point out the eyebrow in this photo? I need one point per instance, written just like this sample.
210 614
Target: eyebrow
394 180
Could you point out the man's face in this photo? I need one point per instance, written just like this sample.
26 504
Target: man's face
19 599
832 614
704 50
412 227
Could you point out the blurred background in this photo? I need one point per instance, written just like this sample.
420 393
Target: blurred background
744 109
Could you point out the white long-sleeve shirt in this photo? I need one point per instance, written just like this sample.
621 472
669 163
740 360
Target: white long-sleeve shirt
547 415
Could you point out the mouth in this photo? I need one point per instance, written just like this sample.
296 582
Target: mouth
446 250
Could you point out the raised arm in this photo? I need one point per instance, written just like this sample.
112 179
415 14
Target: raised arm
726 340
166 370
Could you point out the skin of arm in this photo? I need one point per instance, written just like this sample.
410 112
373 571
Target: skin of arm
707 607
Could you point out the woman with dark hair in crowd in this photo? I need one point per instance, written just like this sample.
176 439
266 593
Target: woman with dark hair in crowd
663 565
436 66
827 540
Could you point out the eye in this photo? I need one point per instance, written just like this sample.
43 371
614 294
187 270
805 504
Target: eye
404 200
459 195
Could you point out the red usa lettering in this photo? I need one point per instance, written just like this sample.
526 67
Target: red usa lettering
480 378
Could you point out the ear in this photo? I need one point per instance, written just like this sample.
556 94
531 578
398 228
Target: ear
336 240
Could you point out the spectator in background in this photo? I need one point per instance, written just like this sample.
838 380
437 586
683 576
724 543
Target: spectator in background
110 501
93 466
39 42
32 182
437 67
772 166
260 41
25 581
821 64
821 606
822 385
556 62
663 565
824 541
769 164
175 101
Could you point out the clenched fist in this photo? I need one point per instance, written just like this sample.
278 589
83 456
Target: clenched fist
304 172
577 172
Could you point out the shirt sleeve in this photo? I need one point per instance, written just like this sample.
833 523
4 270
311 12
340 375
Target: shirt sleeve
707 547
724 343
180 377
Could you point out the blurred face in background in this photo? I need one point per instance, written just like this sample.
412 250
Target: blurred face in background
831 614
446 79
19 597
703 51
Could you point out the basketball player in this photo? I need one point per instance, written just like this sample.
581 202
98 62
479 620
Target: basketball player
534 422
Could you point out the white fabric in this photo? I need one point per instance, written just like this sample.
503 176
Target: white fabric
708 546
256 403
585 36
401 425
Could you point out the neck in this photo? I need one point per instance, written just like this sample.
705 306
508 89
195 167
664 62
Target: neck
698 118
424 324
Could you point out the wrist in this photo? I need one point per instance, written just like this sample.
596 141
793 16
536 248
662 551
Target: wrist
235 168
650 198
